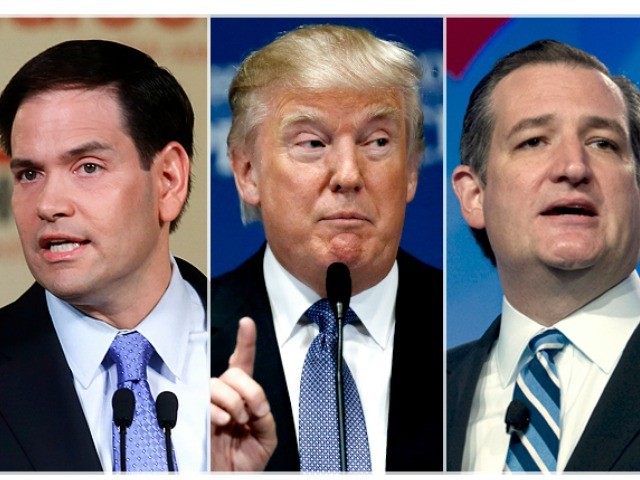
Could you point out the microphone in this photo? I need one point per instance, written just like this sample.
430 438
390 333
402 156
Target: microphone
517 417
167 413
123 403
338 285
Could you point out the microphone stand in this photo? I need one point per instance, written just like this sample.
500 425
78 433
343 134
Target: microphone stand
167 412
169 448
340 390
123 403
338 286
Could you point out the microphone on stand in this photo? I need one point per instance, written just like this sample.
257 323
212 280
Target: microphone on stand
123 403
167 412
338 284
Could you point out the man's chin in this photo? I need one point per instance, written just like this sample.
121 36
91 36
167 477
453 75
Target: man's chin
570 263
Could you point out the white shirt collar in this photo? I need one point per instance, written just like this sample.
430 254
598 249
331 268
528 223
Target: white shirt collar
290 298
600 329
85 340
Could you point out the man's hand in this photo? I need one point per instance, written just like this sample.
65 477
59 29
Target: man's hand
243 431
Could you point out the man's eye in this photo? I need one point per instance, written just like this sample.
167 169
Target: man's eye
90 168
605 144
312 143
27 175
531 143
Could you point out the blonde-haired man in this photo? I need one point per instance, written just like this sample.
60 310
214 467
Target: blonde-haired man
325 146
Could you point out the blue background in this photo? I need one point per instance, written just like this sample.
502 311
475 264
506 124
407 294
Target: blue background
473 292
232 39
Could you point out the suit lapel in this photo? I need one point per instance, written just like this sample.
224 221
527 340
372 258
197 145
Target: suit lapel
38 400
414 440
462 379
615 421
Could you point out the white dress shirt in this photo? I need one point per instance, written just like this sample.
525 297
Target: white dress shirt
368 347
598 332
176 328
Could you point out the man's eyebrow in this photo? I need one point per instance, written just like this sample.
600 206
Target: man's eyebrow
20 163
86 148
301 116
381 112
530 122
604 123
71 154
378 112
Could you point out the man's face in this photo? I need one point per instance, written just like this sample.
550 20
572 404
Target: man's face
86 212
561 189
331 176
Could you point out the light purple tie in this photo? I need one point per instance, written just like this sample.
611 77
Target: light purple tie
146 451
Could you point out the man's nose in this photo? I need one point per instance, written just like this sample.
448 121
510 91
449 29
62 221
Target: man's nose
54 200
346 168
571 163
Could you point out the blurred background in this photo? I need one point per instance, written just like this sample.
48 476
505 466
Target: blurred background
179 44
232 39
473 46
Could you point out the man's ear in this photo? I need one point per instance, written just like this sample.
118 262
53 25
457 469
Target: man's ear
245 173
470 193
412 177
172 167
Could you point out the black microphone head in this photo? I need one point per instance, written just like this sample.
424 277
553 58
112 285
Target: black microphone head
167 409
338 284
123 403
518 416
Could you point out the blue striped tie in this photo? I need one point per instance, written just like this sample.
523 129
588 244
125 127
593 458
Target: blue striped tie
536 449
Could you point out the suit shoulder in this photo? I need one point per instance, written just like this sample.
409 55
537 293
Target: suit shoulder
459 353
481 346
412 267
23 317
230 283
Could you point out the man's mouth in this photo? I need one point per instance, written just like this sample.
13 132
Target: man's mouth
581 209
59 247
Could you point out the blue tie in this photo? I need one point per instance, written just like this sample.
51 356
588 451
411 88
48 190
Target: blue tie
318 436
538 387
146 450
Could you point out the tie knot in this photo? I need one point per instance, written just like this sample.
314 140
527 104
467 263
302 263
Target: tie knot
131 353
550 340
322 314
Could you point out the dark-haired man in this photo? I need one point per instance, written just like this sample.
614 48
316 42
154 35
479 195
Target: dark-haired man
100 139
549 183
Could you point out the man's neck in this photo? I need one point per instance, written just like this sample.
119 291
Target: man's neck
127 307
551 295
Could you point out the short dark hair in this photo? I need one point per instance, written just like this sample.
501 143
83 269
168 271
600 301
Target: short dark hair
155 108
477 127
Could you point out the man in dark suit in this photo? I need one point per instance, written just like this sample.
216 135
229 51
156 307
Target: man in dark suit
325 146
100 140
549 185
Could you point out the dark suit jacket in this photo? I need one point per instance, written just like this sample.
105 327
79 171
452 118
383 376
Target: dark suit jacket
42 425
611 439
414 436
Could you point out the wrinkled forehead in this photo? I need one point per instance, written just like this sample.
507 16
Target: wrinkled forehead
336 106
556 89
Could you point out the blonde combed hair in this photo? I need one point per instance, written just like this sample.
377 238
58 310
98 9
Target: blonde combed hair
324 57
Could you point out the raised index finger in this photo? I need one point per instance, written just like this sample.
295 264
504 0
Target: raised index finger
245 352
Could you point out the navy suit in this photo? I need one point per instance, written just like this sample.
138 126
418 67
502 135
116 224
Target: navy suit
414 435
611 439
42 425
